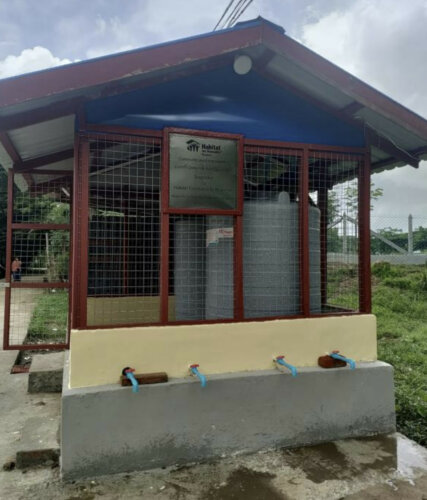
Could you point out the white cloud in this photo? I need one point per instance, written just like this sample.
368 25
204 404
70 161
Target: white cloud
385 44
29 60
381 43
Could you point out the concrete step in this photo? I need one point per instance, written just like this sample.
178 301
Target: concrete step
46 373
39 444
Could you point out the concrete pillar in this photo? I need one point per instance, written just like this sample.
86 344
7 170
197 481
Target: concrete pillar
344 234
410 236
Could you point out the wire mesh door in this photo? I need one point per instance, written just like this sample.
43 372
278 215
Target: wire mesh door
37 284
123 271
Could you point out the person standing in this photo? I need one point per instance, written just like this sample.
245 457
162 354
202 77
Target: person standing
16 269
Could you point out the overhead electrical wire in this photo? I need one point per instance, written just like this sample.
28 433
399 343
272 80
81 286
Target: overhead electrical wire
223 14
232 13
238 15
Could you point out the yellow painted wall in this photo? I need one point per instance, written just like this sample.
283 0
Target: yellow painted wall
119 310
98 356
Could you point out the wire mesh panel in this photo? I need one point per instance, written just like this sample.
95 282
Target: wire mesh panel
38 316
47 200
201 268
36 300
271 270
40 256
124 231
334 184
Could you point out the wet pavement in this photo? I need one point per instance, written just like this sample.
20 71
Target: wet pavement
383 467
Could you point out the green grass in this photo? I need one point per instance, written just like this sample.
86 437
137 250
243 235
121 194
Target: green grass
49 320
400 304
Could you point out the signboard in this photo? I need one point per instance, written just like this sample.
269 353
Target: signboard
202 172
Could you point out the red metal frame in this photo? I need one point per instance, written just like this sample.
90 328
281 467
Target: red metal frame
42 161
74 249
304 235
121 137
302 146
364 182
35 225
83 231
118 129
323 206
166 210
53 284
7 291
220 321
204 211
11 226
245 145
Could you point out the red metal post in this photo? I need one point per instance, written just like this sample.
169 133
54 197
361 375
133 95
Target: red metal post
74 256
125 245
84 231
238 268
364 183
238 238
304 234
323 206
7 291
164 232
73 268
80 235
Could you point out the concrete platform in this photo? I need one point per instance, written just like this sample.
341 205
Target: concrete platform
39 443
46 373
109 429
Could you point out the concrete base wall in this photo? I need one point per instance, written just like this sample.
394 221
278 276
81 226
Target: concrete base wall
109 429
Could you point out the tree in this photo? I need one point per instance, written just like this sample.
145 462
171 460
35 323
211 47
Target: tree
343 202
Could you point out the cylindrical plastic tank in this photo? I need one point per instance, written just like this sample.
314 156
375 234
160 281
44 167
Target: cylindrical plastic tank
315 276
270 257
190 254
219 268
271 262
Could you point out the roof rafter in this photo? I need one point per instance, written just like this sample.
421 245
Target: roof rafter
42 114
42 161
389 147
8 145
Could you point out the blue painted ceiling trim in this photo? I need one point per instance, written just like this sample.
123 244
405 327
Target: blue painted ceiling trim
223 101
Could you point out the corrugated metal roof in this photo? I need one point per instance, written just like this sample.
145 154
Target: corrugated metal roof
46 137
274 54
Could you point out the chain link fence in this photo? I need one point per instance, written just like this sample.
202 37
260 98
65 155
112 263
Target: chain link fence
399 239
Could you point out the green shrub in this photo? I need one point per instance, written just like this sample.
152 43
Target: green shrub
401 283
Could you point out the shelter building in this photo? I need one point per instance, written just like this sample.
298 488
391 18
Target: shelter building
205 181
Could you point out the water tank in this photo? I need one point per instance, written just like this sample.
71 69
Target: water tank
189 269
271 262
270 257
219 267
314 254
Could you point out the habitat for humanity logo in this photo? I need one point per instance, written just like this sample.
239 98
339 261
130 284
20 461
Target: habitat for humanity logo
207 149
193 145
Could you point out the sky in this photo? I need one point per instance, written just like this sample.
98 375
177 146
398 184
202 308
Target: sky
383 42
